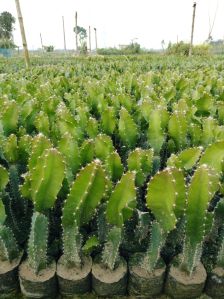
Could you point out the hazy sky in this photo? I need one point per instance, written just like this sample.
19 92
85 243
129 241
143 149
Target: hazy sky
117 21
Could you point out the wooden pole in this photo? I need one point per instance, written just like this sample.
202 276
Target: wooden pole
192 29
63 23
41 41
23 35
90 39
96 39
76 32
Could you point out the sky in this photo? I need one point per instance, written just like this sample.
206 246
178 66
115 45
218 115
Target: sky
148 22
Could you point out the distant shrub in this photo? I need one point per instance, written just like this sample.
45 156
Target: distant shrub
7 44
182 49
133 48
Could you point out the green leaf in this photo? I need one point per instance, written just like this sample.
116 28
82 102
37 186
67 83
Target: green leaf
90 244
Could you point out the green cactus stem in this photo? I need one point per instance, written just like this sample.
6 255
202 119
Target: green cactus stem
11 149
108 120
39 144
122 201
9 117
70 150
92 127
43 182
127 129
42 123
178 129
203 186
185 159
103 146
72 244
156 129
37 244
157 240
214 156
4 178
80 206
9 249
167 203
87 152
140 161
110 253
85 195
113 166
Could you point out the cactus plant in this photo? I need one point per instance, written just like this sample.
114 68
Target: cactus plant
214 156
140 161
127 129
70 150
9 116
178 129
185 159
119 209
156 130
42 183
122 201
204 184
108 120
84 197
167 203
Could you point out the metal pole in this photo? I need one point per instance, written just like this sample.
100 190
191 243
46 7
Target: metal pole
192 29
96 39
23 35
63 23
76 31
90 39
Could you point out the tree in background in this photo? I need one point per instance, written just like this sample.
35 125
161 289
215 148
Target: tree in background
82 34
7 22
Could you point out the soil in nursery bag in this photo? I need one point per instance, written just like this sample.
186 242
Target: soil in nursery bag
9 280
141 282
180 285
215 283
74 280
42 285
106 282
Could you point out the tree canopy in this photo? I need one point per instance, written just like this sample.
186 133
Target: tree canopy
7 22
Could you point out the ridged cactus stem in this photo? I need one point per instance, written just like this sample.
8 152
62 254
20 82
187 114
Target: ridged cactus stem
9 249
44 180
85 194
72 243
38 241
110 253
220 258
157 240
203 186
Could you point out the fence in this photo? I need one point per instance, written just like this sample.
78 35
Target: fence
6 52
